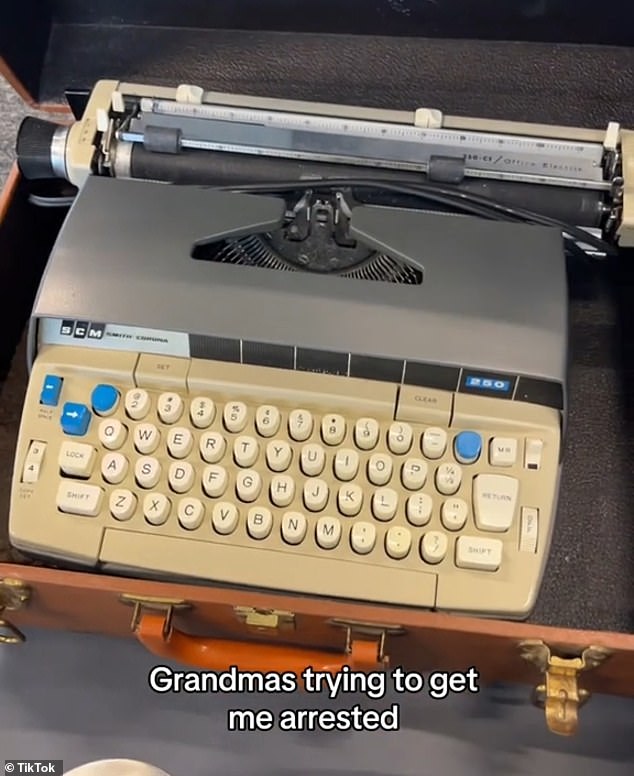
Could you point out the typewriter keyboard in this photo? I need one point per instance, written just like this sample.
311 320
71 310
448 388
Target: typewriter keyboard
307 483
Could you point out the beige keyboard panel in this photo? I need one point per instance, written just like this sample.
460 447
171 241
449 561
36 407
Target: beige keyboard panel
299 482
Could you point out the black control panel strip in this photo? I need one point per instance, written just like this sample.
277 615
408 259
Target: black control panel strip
465 379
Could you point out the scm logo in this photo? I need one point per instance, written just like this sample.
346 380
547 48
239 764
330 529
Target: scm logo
82 329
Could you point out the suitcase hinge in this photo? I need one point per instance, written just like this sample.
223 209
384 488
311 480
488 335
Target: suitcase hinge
14 594
265 619
560 695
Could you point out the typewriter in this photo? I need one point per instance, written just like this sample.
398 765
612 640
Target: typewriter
329 358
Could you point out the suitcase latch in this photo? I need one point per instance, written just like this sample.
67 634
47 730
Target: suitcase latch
265 619
148 603
361 629
14 594
560 695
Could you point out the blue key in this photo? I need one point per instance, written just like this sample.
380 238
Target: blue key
51 390
104 399
467 447
75 419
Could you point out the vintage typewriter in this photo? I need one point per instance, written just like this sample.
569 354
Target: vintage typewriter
330 360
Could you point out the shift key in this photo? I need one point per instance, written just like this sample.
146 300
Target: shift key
75 498
424 405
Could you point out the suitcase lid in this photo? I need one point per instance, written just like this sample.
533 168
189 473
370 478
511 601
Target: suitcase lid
547 61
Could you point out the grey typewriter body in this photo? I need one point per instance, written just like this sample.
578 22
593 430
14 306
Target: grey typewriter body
328 435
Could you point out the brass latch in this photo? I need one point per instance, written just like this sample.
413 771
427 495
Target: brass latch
152 604
14 594
560 695
265 619
362 629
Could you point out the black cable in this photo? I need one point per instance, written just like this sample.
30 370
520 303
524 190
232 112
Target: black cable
454 198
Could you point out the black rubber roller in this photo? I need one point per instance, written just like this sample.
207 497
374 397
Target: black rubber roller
33 148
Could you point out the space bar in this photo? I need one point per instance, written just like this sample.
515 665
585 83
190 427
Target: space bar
258 567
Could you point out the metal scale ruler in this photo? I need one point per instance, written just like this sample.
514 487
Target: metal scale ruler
213 127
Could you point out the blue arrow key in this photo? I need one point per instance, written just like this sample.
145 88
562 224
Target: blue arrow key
467 447
104 399
51 390
75 419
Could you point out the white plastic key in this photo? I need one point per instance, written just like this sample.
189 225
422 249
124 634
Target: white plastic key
384 503
312 460
224 518
212 446
77 460
350 499
122 504
333 429
419 508
434 443
259 522
202 412
380 469
479 553
147 472
366 433
180 441
112 434
76 498
114 467
346 465
495 501
181 476
363 537
169 407
300 425
399 438
315 495
215 480
156 508
448 478
433 547
267 420
278 455
282 490
235 416
245 451
137 403
398 542
502 451
190 513
453 514
293 527
248 485
414 473
146 437
328 532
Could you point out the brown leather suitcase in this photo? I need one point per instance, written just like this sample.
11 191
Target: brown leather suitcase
567 70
